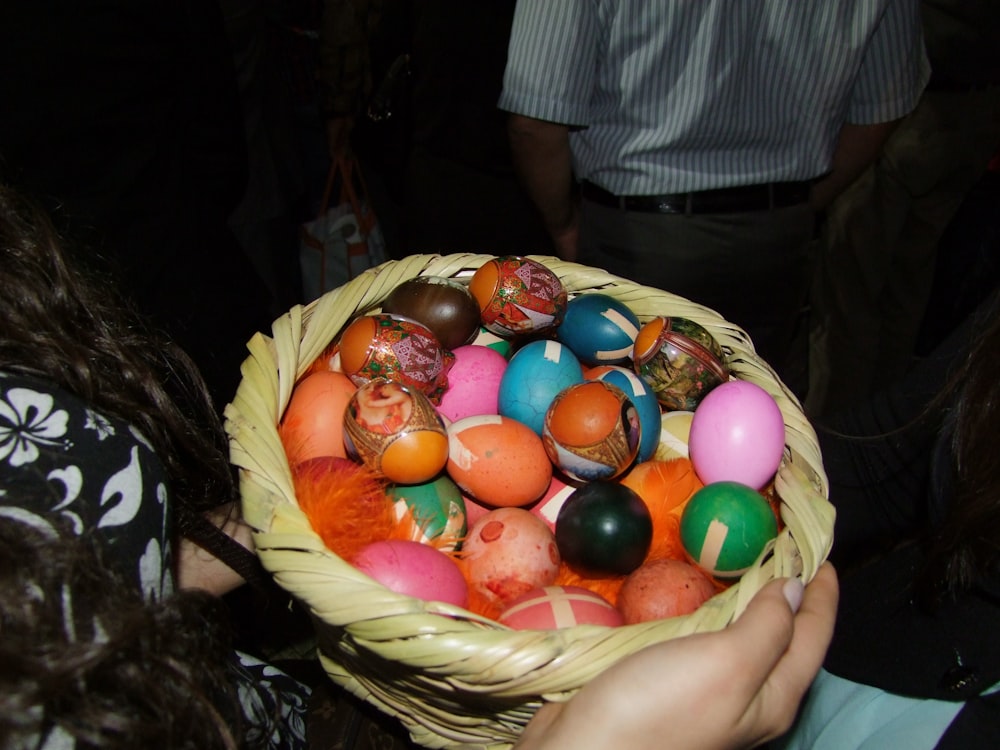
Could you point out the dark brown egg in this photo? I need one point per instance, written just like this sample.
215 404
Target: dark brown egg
444 305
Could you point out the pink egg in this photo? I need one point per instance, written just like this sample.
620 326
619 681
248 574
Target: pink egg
473 382
737 434
548 507
553 607
508 552
414 569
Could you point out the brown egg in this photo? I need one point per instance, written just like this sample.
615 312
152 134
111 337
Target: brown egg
663 588
444 305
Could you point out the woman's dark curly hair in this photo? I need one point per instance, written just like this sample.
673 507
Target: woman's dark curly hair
81 653
74 330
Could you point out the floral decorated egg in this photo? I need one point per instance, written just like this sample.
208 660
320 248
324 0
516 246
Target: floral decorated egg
395 348
680 360
518 296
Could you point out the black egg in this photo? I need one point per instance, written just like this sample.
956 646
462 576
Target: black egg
604 528
444 305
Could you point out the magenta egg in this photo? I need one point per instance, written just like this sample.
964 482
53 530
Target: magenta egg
737 435
473 382
414 569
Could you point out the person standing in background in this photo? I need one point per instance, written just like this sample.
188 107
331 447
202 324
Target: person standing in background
705 137
880 243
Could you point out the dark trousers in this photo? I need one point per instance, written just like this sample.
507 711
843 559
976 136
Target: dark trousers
752 268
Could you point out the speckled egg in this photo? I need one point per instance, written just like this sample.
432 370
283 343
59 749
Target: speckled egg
498 460
395 348
663 588
518 296
598 329
509 552
680 360
592 431
536 373
444 305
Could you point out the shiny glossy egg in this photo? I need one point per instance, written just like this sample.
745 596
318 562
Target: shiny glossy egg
663 588
437 509
737 434
725 526
313 422
604 528
592 431
518 296
509 552
414 569
498 460
598 329
552 607
444 305
473 383
396 431
646 405
395 348
680 360
536 373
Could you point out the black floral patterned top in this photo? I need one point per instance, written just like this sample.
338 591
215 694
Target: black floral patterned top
65 465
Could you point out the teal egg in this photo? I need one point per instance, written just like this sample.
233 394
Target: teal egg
725 526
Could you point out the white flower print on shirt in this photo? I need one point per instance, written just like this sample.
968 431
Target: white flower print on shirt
99 424
125 487
27 420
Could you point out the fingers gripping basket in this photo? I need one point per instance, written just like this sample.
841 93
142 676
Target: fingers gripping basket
453 678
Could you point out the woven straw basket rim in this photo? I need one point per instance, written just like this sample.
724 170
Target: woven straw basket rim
455 679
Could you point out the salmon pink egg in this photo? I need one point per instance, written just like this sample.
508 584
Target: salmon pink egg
313 423
508 552
498 460
552 607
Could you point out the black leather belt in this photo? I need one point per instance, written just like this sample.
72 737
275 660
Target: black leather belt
724 200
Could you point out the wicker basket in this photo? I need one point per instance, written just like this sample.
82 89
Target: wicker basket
453 678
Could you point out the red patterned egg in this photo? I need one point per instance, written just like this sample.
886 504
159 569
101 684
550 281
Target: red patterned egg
518 296
397 349
552 607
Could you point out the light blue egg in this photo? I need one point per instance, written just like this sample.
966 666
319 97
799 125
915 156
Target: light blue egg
535 375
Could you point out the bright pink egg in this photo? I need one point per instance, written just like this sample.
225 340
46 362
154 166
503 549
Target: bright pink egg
473 382
414 569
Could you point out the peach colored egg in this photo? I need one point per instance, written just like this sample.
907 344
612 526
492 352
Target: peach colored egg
313 423
663 588
498 460
414 569
508 552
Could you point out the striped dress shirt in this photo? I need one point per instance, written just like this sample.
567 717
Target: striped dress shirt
676 95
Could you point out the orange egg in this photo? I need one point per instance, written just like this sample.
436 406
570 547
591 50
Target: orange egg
584 414
313 423
415 457
498 460
355 344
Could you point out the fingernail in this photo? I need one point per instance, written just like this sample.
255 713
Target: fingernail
792 590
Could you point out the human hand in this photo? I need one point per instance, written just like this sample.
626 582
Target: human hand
735 688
